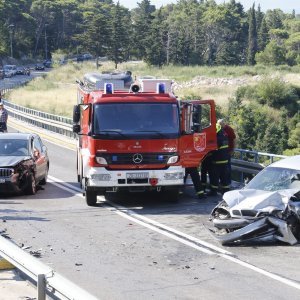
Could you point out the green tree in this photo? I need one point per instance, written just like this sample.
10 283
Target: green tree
275 18
263 36
156 45
294 139
252 37
272 55
142 19
119 43
94 32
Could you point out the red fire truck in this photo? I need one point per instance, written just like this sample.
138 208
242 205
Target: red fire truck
138 139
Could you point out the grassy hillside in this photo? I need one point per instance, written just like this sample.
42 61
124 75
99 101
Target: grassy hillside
56 92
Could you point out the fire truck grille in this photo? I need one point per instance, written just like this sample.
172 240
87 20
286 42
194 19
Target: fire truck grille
6 172
136 158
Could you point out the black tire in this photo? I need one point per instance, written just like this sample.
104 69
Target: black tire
171 194
44 180
31 185
90 198
77 168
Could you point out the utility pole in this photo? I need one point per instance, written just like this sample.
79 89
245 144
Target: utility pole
46 49
11 28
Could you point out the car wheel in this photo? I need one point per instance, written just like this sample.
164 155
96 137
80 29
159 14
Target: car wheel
91 198
31 187
44 180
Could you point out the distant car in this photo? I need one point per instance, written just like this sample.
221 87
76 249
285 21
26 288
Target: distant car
10 70
21 71
24 163
79 58
47 63
87 56
39 67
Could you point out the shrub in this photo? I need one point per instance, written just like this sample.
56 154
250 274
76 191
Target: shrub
277 94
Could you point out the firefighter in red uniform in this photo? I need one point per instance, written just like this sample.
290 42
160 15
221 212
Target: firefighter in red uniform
220 158
228 130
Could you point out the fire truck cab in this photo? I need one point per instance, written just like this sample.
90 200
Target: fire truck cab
138 139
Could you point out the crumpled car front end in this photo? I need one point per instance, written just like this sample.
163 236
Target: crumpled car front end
250 214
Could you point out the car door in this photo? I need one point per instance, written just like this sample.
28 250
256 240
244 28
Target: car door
40 157
198 134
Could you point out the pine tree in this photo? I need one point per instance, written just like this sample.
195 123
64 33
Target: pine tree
119 42
263 36
142 19
156 43
252 37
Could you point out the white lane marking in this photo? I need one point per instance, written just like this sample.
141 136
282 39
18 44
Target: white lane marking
176 235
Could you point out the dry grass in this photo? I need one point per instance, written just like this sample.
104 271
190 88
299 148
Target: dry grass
220 94
56 92
58 101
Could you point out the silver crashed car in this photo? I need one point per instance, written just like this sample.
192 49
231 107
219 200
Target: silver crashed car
268 207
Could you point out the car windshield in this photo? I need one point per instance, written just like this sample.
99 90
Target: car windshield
9 147
9 67
136 120
275 179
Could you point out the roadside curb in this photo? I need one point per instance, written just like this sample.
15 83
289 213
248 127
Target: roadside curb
5 265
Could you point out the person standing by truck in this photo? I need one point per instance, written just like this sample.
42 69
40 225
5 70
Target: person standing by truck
3 118
194 173
229 132
220 158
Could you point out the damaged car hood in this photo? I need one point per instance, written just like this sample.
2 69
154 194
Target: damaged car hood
11 161
257 200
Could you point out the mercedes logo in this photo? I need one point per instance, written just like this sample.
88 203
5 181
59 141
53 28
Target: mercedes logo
137 158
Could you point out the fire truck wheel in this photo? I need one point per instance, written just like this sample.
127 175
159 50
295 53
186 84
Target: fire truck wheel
171 195
91 198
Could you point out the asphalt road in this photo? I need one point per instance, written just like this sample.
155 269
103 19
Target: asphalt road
140 247
7 83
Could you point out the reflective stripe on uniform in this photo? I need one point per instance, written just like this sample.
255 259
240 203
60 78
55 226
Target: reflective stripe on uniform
223 147
218 162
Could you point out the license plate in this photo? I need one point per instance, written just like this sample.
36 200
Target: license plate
2 180
137 175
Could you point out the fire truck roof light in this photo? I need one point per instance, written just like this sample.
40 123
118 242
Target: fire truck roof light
108 88
160 88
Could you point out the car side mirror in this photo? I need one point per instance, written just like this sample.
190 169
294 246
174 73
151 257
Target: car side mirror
76 128
76 113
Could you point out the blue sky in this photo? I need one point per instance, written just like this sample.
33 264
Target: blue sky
285 5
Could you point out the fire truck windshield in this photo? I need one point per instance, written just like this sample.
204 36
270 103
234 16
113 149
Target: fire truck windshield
136 120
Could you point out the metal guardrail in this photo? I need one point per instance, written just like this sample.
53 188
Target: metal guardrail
247 163
53 123
48 281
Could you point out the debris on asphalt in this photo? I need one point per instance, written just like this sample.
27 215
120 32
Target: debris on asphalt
4 234
36 253
25 247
